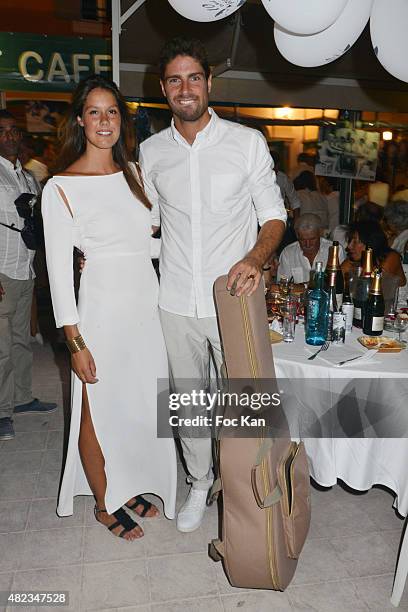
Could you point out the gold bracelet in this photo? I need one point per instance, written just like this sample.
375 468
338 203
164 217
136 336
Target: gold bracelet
76 344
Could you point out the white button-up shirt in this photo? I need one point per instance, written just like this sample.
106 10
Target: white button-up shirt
208 198
15 259
288 191
292 262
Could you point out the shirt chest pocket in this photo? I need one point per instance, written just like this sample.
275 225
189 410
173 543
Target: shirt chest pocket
8 193
226 189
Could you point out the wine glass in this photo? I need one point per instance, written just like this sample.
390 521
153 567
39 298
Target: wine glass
400 325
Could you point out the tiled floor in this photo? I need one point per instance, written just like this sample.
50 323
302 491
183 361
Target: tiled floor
347 564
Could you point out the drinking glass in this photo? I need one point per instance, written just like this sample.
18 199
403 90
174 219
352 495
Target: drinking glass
400 325
288 310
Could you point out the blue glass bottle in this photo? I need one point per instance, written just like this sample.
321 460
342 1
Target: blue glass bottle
317 310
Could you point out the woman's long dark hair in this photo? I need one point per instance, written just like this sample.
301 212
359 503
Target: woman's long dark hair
73 141
371 234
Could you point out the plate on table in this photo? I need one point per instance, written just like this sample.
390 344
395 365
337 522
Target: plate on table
382 344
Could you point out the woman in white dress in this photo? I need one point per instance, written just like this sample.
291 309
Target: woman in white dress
118 353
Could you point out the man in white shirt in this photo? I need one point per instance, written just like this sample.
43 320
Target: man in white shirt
16 286
288 191
298 258
210 182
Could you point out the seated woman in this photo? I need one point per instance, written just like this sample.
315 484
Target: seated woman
369 234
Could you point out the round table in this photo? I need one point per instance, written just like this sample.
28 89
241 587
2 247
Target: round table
353 418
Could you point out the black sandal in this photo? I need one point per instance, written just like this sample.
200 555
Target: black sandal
122 520
141 501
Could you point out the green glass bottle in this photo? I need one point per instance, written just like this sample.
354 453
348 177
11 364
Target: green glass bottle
373 323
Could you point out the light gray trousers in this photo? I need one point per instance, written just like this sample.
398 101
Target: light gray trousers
16 357
193 346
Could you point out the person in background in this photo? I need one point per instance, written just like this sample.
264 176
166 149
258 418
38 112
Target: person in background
369 211
292 205
311 201
396 225
329 187
26 156
16 286
304 164
369 234
36 164
299 258
396 228
288 191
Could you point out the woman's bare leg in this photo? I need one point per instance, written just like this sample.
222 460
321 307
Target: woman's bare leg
94 467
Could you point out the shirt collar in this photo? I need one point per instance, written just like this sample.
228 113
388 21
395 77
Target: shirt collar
321 245
7 164
204 134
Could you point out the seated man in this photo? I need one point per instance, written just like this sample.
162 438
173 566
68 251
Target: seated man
299 258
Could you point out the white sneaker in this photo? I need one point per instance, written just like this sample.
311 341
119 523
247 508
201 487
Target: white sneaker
191 513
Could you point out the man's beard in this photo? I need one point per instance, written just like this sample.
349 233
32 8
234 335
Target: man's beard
190 115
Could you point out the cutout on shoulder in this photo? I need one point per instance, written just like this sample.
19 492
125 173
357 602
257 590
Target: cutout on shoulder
65 200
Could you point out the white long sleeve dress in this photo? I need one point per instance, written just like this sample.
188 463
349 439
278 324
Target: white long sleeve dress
117 315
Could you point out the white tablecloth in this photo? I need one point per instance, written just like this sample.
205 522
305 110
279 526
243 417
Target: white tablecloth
360 461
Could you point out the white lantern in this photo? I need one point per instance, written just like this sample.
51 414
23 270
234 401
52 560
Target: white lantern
327 46
206 10
388 26
304 16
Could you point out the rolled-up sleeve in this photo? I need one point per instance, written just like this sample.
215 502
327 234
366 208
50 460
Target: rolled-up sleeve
59 230
265 192
149 188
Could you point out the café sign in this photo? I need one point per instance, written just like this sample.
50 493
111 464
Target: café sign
29 62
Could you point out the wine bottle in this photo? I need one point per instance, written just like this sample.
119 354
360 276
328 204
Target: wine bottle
347 290
333 266
373 324
362 287
347 307
317 309
335 319
332 308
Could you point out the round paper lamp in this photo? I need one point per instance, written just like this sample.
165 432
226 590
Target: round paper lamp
388 26
304 16
206 10
326 46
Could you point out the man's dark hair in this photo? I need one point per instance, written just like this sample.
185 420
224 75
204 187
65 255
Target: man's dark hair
5 114
180 45
304 157
305 180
